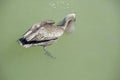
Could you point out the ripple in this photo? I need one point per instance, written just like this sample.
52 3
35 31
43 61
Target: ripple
59 4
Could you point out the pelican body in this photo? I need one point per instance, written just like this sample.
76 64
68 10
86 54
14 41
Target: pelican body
46 32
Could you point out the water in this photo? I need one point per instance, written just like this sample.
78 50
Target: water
91 52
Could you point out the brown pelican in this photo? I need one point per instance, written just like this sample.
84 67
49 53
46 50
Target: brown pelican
45 32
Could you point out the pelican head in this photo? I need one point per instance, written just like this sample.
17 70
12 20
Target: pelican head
68 22
70 17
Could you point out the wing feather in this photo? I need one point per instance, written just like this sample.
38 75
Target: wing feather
39 32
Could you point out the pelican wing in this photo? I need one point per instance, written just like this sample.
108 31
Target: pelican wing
33 32
48 33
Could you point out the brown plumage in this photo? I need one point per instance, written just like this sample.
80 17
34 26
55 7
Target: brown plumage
45 32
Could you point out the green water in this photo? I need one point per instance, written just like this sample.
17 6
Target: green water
91 52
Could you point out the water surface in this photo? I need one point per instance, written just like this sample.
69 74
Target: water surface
91 52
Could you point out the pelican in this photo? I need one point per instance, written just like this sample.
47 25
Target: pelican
46 32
